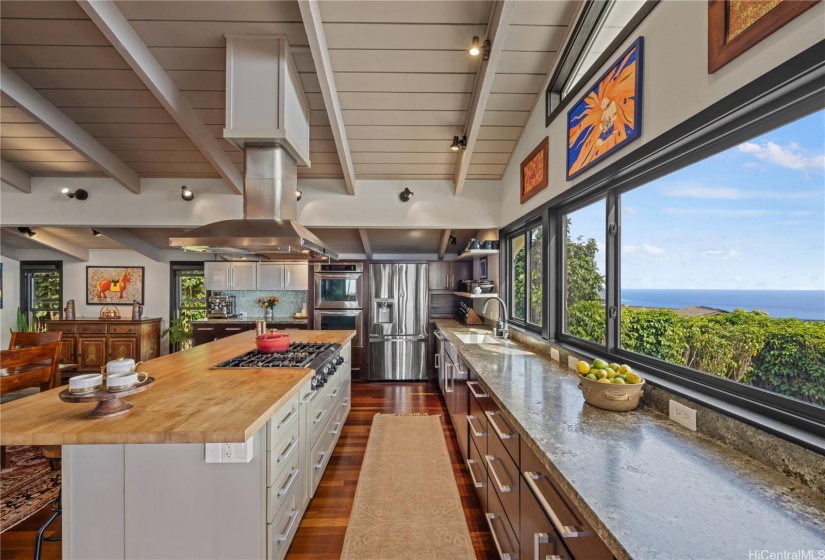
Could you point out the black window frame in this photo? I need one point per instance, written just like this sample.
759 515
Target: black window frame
786 93
26 269
174 294
506 261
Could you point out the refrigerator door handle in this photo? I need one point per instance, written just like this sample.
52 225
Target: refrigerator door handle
397 338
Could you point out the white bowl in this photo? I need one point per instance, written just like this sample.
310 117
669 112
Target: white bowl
87 383
124 381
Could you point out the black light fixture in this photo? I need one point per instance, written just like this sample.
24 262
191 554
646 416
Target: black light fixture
453 240
459 143
79 194
186 194
477 47
27 230
406 195
95 232
298 194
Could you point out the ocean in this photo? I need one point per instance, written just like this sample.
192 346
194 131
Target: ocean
802 304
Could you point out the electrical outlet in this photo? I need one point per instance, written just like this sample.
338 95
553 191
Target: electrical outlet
682 414
229 452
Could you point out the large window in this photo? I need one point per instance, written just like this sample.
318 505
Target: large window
41 295
723 264
188 297
584 267
526 272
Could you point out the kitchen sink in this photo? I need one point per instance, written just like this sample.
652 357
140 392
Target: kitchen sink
477 339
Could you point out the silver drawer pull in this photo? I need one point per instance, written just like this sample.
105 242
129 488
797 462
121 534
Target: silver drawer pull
336 430
437 361
232 328
502 487
287 418
310 396
288 450
320 462
470 463
293 476
334 393
499 433
566 531
490 517
470 385
199 329
473 431
293 516
539 539
320 416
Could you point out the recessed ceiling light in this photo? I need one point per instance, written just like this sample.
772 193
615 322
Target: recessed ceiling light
186 194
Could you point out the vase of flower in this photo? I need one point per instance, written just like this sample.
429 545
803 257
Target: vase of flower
269 303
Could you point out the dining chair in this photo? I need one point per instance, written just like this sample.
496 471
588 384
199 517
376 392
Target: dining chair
22 339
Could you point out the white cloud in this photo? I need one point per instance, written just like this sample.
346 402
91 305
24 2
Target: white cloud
643 250
789 156
729 255
694 190
628 211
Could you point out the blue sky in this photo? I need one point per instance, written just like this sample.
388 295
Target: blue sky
752 217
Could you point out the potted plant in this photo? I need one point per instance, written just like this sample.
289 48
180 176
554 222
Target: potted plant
179 333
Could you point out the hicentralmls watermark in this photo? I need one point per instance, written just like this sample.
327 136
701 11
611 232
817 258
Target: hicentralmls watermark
810 554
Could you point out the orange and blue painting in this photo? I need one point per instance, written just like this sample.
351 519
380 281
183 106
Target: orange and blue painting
609 115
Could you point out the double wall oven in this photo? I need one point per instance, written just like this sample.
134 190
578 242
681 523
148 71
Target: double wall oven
339 299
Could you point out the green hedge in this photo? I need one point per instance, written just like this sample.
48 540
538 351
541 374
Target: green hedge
786 356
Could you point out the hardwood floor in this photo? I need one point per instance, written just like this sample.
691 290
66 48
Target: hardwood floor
321 532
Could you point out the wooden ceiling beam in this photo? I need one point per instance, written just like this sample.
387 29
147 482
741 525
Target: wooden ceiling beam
56 121
442 246
365 241
497 33
311 14
54 242
120 33
15 177
134 243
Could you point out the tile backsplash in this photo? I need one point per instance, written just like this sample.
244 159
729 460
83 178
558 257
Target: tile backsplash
291 302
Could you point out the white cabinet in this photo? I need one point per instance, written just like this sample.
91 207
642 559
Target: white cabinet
279 276
230 275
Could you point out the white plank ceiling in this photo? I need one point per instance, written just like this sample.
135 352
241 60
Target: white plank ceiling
404 78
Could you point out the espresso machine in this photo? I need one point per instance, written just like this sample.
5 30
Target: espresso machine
221 305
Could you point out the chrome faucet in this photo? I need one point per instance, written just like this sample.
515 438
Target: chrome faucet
500 330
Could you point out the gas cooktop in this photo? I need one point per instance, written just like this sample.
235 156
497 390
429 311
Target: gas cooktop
299 355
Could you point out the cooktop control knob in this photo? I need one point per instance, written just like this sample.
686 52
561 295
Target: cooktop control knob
339 361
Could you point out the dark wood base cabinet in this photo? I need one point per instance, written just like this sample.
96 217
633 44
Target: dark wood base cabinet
90 342
209 331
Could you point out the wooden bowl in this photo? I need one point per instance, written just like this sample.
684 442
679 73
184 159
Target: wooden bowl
269 343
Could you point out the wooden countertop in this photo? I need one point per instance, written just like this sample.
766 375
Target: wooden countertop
189 403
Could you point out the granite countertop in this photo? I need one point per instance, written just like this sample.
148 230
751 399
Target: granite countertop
251 319
649 487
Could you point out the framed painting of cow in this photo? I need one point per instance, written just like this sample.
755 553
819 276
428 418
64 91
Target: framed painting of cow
114 285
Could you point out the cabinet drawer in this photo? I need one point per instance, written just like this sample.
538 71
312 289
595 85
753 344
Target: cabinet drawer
478 475
123 329
577 534
61 328
318 412
282 422
505 538
282 455
538 537
282 484
504 477
91 329
498 427
321 454
285 524
229 330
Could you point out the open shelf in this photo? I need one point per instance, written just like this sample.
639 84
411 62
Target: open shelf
475 254
474 296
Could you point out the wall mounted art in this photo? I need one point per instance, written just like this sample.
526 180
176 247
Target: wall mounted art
734 26
534 171
114 285
609 115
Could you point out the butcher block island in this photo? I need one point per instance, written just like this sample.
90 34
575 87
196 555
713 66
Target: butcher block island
212 462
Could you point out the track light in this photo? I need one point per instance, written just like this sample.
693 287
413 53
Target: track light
453 240
79 194
474 48
95 232
458 143
186 194
477 47
27 230
406 195
298 194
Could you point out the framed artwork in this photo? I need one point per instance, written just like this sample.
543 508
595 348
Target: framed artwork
482 268
609 115
734 26
114 285
534 171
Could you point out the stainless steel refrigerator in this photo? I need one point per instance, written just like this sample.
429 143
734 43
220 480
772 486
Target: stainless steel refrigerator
398 322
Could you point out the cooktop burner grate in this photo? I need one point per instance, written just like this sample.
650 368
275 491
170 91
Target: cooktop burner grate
299 355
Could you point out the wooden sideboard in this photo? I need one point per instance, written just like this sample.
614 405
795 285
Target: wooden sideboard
90 342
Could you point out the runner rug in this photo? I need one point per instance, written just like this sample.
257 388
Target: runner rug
26 486
407 504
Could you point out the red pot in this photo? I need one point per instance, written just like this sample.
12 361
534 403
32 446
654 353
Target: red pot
272 342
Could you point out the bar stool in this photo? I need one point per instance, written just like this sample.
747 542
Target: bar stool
53 454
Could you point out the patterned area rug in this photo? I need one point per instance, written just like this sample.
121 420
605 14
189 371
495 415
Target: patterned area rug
407 504
26 486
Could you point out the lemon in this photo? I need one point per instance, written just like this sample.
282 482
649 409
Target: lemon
601 373
621 376
582 367
604 380
633 378
617 381
611 373
599 364
624 368
592 376
614 366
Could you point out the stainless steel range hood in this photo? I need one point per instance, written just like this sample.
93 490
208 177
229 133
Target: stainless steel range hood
268 230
